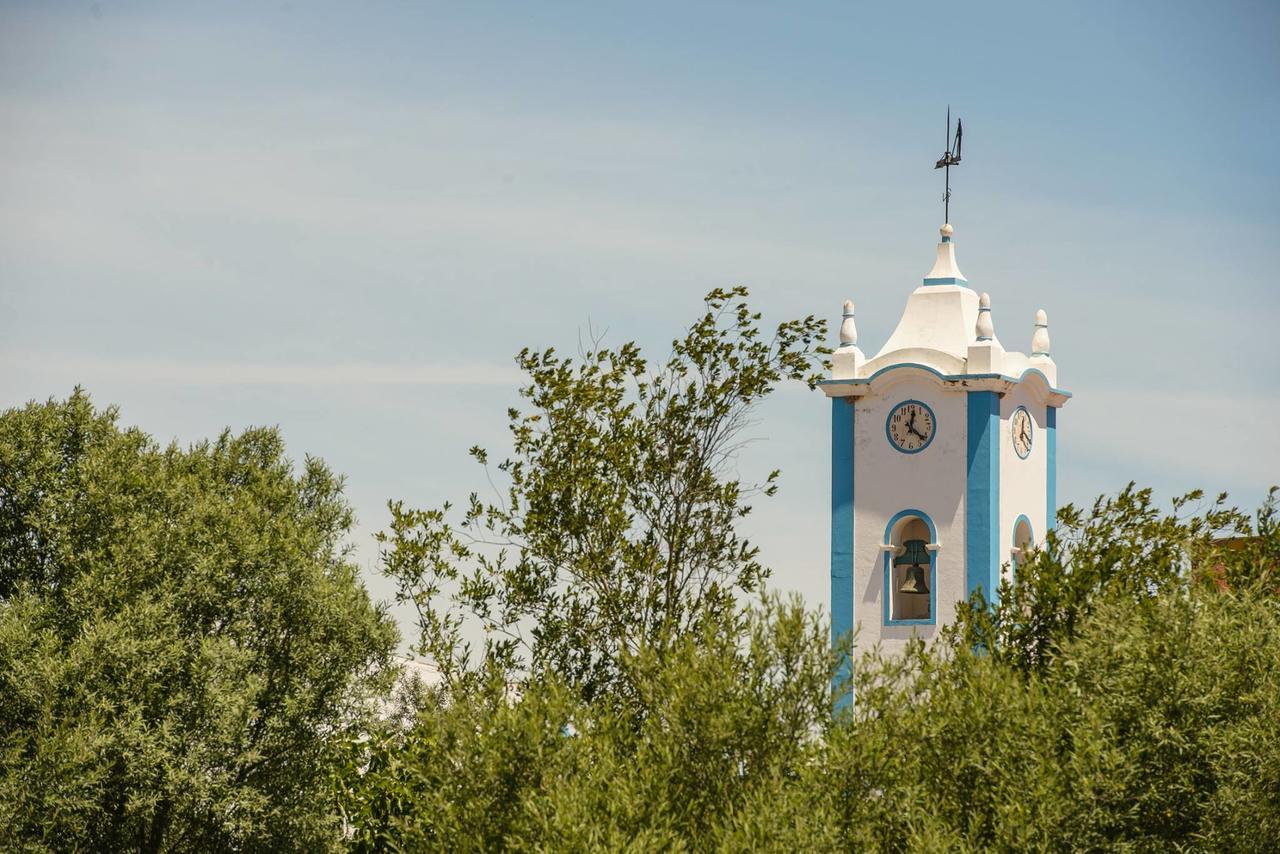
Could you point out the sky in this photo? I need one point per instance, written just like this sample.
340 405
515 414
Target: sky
345 219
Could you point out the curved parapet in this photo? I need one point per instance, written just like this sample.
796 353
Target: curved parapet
887 377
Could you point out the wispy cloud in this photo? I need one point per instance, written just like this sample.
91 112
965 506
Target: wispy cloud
1211 438
86 369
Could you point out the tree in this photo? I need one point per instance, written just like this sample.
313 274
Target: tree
1124 546
729 714
182 638
617 528
1149 725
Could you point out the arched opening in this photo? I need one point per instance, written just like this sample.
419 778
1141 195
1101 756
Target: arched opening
1023 541
910 564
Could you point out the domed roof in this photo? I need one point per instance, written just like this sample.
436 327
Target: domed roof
945 330
938 323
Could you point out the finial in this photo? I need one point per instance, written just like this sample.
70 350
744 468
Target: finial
848 329
1040 338
985 329
944 270
847 360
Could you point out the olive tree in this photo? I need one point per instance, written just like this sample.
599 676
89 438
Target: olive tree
616 529
182 638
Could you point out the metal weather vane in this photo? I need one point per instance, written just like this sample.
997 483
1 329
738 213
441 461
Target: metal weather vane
950 157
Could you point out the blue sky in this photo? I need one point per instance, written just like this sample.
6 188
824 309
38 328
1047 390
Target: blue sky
344 219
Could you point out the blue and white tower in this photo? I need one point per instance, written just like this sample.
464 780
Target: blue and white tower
943 460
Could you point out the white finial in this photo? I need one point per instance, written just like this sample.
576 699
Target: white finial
848 329
1040 338
985 329
945 271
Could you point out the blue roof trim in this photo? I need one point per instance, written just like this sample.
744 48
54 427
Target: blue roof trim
947 280
951 377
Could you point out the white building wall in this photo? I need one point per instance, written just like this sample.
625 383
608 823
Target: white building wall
886 482
1023 483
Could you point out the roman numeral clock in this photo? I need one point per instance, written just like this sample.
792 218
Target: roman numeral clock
943 457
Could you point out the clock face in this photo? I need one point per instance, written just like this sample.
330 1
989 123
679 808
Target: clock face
910 426
1023 429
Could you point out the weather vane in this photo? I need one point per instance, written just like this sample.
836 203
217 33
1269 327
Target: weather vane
950 157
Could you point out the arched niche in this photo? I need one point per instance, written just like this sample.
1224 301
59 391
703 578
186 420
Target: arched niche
910 569
1023 542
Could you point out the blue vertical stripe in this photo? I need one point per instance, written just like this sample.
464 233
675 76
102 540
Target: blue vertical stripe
982 494
841 529
1051 473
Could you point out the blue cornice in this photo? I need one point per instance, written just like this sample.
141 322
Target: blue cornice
951 377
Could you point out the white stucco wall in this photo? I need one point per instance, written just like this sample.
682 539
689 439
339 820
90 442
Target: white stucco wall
937 354
1023 483
938 318
885 482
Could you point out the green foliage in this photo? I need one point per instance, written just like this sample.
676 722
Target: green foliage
1152 729
1149 727
188 662
1121 694
616 531
181 638
1124 546
719 723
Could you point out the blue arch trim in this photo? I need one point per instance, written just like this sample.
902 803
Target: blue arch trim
842 496
982 494
888 570
918 514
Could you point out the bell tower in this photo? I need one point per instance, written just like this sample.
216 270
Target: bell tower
943 460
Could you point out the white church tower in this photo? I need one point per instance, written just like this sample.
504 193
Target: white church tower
943 460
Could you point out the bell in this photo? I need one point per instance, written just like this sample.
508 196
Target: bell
914 582
913 555
913 552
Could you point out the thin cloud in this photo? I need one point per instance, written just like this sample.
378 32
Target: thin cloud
1206 437
86 369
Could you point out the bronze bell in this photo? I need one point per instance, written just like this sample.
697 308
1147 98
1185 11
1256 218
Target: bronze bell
914 582
914 554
